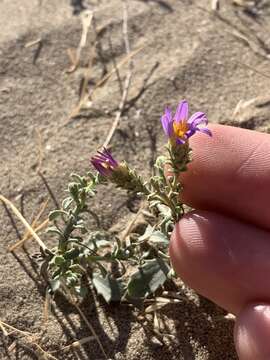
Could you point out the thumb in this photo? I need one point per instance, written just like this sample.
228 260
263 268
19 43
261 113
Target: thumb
252 332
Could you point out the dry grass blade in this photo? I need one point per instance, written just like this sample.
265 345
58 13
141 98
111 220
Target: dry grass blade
76 344
40 150
156 322
160 303
29 236
86 97
215 5
174 295
125 60
3 325
128 77
244 3
241 105
4 331
86 18
29 336
25 223
252 45
47 306
32 43
253 69
72 300
131 224
91 329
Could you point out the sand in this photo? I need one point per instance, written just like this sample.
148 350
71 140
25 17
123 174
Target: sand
187 52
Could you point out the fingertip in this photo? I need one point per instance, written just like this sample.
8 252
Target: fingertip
187 246
252 332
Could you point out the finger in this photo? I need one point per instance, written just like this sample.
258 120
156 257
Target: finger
225 260
252 332
230 174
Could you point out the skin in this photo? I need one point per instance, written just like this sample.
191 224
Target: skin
222 250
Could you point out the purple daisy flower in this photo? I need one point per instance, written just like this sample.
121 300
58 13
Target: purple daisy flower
180 128
104 162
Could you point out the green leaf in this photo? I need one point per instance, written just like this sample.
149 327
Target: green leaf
154 237
98 239
73 188
66 203
80 290
55 213
148 232
55 284
55 230
158 238
58 260
111 289
72 254
148 278
164 210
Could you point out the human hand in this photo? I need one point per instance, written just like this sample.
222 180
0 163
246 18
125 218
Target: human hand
222 250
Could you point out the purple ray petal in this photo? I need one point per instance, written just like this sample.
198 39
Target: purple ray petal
197 118
190 132
167 122
181 141
181 111
104 162
205 131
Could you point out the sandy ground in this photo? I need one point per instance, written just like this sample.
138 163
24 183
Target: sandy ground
187 53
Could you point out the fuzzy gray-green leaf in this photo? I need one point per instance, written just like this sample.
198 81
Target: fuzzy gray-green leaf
148 278
111 289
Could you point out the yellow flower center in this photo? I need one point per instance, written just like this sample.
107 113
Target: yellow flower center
106 164
180 128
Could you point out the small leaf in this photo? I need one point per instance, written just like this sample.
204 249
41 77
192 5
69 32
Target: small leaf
80 290
111 289
55 284
72 254
73 188
98 239
76 178
158 238
58 260
148 278
164 210
55 213
148 232
66 203
55 230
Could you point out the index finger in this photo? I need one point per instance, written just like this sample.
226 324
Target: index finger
230 173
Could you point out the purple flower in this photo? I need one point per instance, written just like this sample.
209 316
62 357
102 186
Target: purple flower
104 163
180 128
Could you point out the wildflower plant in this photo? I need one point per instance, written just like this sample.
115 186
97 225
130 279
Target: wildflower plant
82 254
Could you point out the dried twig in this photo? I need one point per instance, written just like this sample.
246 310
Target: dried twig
128 77
25 223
